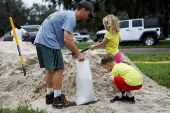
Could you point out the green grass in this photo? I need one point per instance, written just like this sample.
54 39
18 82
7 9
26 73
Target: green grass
21 109
149 57
159 72
83 45
161 44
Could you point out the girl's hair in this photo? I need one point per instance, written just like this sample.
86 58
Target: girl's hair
1 31
107 58
111 21
17 26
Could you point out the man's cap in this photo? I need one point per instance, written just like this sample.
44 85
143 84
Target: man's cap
88 6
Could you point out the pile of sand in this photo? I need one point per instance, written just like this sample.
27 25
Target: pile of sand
15 88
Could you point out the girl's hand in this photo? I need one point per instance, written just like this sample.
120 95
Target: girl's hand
92 47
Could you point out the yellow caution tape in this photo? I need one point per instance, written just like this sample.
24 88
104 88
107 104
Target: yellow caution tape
154 62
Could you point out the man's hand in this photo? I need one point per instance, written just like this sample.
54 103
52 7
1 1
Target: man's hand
80 57
68 39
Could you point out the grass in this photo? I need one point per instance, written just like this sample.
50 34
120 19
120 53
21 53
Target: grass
161 44
149 57
159 72
21 109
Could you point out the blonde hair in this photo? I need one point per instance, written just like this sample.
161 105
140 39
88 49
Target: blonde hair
107 58
111 21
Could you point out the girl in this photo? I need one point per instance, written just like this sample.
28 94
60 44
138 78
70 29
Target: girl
111 39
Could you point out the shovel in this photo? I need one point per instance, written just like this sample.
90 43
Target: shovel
12 25
71 55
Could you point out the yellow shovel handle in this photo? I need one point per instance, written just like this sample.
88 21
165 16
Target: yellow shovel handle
13 28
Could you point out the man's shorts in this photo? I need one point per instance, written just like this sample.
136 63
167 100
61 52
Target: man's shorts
121 84
49 58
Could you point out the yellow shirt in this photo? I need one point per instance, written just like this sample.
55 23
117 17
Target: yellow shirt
113 43
131 76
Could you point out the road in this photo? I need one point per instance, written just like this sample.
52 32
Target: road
140 50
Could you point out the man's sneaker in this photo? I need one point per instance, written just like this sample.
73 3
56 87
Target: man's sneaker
60 102
131 100
49 98
122 99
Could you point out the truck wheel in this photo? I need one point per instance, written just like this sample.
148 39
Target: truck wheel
149 40
84 40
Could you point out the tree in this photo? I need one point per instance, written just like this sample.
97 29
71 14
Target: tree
38 13
133 8
19 14
23 15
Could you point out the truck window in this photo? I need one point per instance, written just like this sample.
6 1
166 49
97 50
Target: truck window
31 29
152 22
137 23
124 24
75 34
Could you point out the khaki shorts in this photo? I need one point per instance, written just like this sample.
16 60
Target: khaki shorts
49 58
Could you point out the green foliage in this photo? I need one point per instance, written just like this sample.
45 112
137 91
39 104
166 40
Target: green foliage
38 13
23 15
19 13
122 8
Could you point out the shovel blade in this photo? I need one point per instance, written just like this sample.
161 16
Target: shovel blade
71 56
24 70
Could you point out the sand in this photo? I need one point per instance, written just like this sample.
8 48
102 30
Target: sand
15 88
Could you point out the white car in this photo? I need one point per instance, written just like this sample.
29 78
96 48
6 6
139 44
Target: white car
81 38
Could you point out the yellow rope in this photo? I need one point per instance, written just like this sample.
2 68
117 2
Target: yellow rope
161 62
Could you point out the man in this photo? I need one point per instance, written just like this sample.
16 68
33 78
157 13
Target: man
55 32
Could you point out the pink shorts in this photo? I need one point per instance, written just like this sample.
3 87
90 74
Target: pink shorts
121 84
118 57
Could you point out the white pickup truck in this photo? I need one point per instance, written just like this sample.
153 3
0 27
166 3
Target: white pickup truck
81 38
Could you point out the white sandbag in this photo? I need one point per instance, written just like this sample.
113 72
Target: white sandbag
84 83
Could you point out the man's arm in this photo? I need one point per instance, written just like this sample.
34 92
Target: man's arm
69 41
